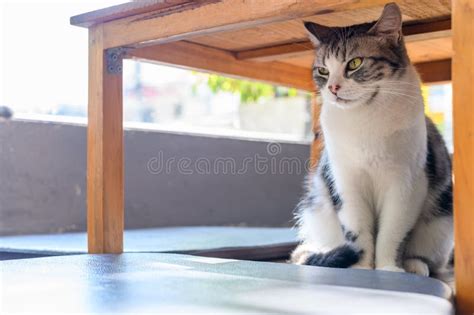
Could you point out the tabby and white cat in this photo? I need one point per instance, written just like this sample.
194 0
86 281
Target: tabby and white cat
381 196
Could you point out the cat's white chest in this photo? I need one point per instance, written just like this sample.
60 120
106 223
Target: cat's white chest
373 138
355 143
361 151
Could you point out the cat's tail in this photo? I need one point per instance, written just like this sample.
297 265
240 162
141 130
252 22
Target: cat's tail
343 256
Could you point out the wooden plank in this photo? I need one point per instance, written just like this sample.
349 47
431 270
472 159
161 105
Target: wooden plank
463 123
423 27
431 49
272 53
200 58
197 57
226 15
435 71
413 31
290 31
317 144
124 10
105 214
419 52
304 60
284 32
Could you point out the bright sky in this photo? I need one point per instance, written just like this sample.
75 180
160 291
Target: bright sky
44 58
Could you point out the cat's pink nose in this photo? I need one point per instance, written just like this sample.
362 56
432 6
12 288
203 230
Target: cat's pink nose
334 88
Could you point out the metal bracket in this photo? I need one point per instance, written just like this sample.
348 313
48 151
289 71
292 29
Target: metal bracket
114 57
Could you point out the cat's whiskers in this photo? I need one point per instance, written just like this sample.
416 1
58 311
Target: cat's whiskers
399 92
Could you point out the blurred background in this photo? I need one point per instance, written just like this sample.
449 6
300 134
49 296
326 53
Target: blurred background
49 81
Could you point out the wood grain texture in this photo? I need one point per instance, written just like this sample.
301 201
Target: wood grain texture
413 32
294 72
438 71
463 122
317 144
197 57
227 15
105 213
277 52
283 32
133 8
429 50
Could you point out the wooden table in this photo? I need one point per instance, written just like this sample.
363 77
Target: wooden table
265 40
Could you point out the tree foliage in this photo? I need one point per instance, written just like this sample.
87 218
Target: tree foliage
249 91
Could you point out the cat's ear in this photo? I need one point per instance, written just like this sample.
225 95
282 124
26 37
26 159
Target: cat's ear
317 33
390 22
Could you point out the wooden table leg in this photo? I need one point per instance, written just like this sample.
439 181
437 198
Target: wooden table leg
317 144
463 122
105 169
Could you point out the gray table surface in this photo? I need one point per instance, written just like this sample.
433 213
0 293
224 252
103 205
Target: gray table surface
175 239
170 283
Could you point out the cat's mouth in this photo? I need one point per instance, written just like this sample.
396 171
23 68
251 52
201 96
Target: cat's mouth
343 100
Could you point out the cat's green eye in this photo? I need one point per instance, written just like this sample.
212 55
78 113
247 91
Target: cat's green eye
354 63
322 71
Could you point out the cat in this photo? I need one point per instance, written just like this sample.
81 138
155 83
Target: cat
381 194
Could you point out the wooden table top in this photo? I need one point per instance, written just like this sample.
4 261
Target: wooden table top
276 35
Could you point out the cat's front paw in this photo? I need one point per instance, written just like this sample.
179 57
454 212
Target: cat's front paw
362 265
390 268
416 266
301 254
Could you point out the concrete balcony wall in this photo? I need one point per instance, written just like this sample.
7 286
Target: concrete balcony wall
170 179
